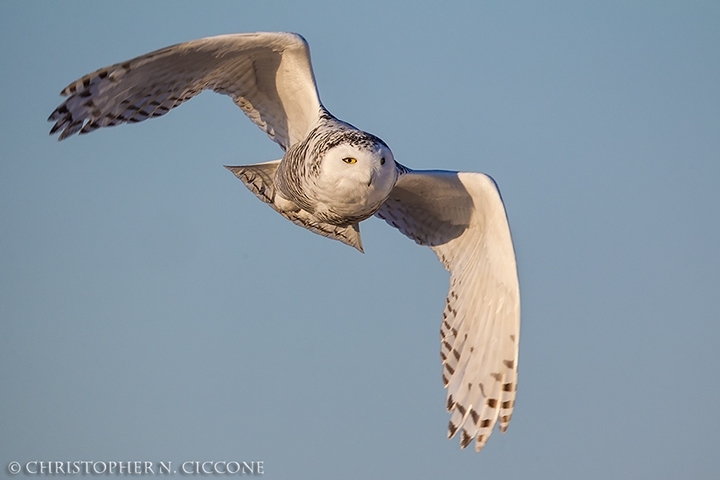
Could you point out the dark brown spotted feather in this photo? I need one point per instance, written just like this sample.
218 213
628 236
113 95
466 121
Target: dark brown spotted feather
460 220
245 67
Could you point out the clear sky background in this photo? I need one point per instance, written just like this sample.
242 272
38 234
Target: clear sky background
152 309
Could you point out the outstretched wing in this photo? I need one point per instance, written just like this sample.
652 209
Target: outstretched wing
462 218
268 75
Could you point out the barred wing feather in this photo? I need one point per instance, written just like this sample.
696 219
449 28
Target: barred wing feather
462 218
268 75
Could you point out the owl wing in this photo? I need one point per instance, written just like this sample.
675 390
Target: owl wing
462 218
268 75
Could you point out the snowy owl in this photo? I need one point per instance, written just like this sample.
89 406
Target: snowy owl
331 177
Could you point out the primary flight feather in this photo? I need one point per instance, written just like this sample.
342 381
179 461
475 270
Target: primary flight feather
331 177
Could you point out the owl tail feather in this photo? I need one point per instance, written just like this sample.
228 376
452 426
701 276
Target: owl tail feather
260 179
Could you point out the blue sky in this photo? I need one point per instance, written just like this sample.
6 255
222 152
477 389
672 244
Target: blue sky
152 309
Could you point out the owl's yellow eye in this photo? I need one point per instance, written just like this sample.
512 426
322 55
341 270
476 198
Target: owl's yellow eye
350 160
